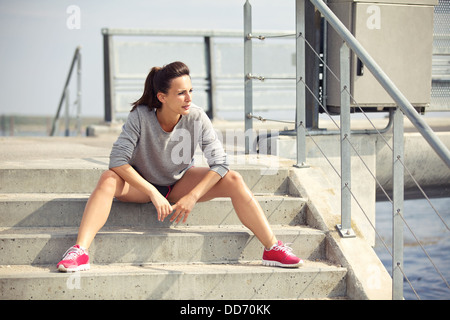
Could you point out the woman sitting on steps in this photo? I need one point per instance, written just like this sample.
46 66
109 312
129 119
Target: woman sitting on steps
145 166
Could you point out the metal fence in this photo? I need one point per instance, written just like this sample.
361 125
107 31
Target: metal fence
215 59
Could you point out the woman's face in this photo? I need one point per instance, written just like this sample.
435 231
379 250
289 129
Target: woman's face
179 97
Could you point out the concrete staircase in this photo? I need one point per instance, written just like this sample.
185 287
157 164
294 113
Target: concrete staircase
136 257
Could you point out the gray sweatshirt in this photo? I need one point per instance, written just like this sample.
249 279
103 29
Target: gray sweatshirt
162 157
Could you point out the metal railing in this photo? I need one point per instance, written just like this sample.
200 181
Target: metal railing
404 107
215 60
76 61
112 77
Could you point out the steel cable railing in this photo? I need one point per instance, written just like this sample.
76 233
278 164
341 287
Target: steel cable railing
398 158
390 200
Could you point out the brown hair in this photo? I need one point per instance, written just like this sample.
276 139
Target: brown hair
159 80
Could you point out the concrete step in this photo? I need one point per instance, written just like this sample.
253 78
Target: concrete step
205 244
66 210
75 178
136 257
315 280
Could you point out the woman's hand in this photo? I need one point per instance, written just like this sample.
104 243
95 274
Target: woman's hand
133 178
162 206
183 208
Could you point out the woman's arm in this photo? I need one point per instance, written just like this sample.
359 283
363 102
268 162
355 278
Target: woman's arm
185 205
133 178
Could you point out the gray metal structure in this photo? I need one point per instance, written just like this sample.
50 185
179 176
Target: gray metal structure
401 46
440 90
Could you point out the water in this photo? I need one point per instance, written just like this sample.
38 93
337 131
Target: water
434 237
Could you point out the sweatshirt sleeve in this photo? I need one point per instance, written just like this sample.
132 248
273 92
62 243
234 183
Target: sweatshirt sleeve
123 148
212 148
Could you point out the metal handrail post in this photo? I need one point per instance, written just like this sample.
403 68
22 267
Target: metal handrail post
397 206
248 82
345 228
66 114
385 82
300 114
210 75
79 95
108 90
55 119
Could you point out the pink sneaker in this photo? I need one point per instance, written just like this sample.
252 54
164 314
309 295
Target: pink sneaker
281 255
75 259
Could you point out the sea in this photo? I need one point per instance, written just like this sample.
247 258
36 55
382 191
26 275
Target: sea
425 282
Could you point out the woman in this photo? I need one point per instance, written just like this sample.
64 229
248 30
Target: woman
149 163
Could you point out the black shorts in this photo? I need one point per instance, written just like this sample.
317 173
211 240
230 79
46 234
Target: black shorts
164 190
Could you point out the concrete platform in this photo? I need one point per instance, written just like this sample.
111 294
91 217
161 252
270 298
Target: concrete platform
45 183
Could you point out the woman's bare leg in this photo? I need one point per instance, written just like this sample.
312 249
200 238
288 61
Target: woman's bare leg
110 185
98 207
232 185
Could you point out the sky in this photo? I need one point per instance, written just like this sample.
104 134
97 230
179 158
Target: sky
38 39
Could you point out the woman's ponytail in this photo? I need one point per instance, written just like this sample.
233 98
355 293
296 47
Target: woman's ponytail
159 80
149 97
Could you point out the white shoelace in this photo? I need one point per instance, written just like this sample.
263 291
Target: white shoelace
284 248
72 253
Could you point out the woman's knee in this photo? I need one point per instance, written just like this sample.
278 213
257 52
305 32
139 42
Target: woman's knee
234 180
109 181
109 176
